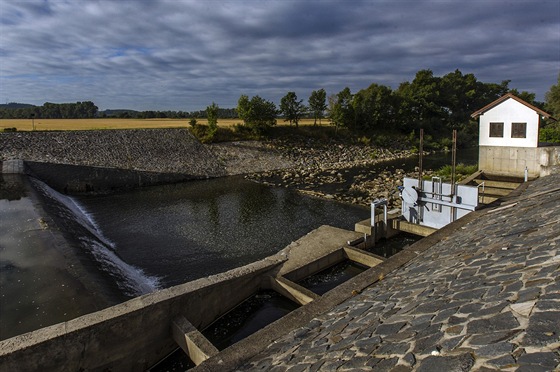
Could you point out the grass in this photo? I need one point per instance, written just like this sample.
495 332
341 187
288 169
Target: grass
113 123
462 171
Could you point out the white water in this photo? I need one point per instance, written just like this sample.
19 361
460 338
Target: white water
130 279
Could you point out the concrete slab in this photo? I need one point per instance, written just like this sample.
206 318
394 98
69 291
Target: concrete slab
318 243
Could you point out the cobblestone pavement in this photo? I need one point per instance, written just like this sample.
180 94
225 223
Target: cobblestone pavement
485 298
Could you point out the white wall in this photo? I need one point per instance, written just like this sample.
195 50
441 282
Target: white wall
507 112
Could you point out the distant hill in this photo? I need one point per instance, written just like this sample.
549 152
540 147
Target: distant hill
15 105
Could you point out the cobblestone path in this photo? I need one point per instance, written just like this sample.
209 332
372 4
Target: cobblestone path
486 298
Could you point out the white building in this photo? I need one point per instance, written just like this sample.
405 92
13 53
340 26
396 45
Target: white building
509 139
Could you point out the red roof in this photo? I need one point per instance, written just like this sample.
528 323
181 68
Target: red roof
504 98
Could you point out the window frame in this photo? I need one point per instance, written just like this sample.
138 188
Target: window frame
493 129
516 131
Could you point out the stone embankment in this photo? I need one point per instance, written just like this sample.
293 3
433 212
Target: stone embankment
152 150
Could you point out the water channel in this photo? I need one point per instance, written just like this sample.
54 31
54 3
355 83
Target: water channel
126 244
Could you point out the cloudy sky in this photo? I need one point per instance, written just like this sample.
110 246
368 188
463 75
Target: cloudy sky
186 54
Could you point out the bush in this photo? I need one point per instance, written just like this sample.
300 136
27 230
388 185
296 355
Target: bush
10 129
550 134
462 171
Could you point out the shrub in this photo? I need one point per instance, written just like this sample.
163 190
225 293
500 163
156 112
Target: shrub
461 171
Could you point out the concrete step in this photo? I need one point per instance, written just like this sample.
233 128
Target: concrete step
487 199
498 184
412 228
494 191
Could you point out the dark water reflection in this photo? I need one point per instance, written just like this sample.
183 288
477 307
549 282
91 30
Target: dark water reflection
185 231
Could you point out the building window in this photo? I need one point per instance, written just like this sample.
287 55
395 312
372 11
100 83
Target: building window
496 129
518 130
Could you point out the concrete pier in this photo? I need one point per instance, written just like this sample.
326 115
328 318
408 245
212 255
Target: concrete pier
14 166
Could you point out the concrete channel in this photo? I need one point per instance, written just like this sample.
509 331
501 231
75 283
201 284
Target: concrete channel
138 333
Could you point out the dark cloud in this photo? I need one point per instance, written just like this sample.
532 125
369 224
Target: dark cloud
183 55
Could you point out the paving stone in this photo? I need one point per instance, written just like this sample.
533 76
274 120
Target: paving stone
389 328
451 343
454 330
493 350
490 338
421 319
513 287
409 359
547 305
300 367
332 365
444 315
401 368
470 308
367 345
431 330
354 364
528 294
386 365
391 348
429 343
401 336
455 363
502 362
490 310
316 366
532 368
499 322
470 294
543 328
545 359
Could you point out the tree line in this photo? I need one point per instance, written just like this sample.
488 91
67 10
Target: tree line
78 110
436 104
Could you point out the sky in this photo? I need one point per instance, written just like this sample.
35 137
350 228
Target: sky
182 55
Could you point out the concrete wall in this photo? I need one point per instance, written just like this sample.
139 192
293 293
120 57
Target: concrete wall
136 334
511 161
77 179
507 112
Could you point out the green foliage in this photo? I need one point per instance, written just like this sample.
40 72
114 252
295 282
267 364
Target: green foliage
78 110
462 171
552 100
341 111
291 108
318 104
374 108
10 129
364 140
257 113
550 134
192 122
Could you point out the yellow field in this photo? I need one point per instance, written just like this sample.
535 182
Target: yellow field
92 124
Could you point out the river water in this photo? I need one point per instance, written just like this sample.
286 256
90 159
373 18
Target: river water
130 243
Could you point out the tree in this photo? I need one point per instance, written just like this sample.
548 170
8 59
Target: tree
212 116
551 130
552 100
291 108
341 112
318 104
257 113
374 108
